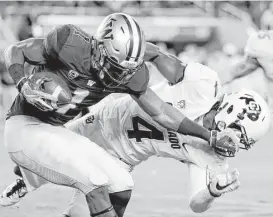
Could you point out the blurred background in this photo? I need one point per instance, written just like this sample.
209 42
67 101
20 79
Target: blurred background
212 33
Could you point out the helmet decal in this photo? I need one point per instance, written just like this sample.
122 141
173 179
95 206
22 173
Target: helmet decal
254 109
135 38
247 113
107 32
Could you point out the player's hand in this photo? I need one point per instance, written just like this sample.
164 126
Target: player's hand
223 183
225 143
33 94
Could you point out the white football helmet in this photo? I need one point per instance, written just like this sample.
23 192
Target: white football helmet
119 48
247 112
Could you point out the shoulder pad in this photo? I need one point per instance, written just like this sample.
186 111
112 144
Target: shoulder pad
196 71
56 39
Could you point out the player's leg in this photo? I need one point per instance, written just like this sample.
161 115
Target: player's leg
26 183
78 206
120 201
120 188
13 193
99 203
17 171
117 202
61 157
54 153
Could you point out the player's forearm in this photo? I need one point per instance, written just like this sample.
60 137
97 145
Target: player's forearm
191 128
173 119
201 201
168 65
170 117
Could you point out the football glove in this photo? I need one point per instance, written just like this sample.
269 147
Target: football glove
225 143
34 95
222 183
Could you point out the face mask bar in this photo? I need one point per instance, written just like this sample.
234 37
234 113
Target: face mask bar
111 73
248 143
240 130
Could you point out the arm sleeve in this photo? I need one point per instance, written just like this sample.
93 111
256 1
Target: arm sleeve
200 198
68 45
55 40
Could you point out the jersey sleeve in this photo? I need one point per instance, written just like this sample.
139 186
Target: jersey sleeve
196 93
139 82
55 40
68 44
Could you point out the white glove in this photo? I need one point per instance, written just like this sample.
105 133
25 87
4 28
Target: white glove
225 143
33 94
223 183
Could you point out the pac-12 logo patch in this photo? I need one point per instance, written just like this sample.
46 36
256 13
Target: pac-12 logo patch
72 74
181 104
90 83
90 119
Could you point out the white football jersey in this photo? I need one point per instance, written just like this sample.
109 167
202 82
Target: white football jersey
260 46
125 131
122 128
195 94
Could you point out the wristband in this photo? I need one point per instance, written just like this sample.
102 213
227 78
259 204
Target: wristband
20 83
213 138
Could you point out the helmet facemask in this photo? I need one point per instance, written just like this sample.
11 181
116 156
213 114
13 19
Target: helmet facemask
237 112
110 73
246 143
119 48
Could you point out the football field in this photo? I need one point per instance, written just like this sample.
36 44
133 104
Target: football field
161 189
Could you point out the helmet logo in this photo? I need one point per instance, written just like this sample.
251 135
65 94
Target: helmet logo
107 30
254 109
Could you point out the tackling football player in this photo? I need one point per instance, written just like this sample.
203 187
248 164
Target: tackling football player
131 136
93 67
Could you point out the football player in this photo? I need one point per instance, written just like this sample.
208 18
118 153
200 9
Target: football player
131 136
255 71
93 66
138 137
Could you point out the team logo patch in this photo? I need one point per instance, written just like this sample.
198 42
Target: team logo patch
181 104
72 74
90 119
90 83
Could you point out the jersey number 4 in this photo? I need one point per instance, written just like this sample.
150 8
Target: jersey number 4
151 133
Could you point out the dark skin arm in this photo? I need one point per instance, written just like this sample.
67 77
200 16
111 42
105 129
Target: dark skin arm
168 116
168 65
30 51
164 114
